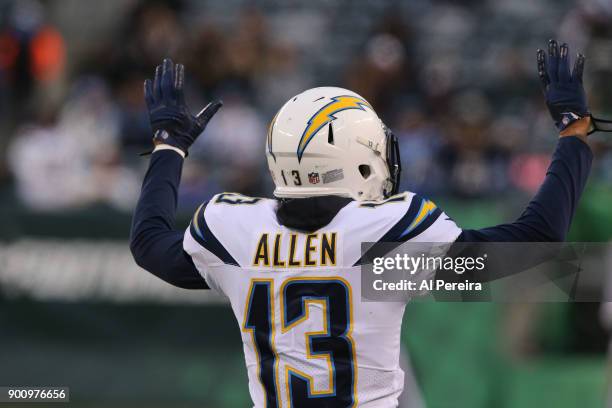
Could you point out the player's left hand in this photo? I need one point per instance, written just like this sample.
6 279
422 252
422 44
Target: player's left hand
172 121
563 90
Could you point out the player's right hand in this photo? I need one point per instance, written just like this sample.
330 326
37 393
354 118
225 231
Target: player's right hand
563 90
171 120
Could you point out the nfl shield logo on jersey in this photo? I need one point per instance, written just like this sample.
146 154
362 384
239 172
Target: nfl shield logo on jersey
313 178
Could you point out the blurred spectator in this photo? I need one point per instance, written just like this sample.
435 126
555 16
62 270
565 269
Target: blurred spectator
32 63
468 111
152 32
420 142
32 52
382 73
73 160
233 146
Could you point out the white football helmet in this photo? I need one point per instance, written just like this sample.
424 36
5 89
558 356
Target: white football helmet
329 141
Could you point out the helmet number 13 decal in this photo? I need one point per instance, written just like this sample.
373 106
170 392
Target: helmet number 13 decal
297 181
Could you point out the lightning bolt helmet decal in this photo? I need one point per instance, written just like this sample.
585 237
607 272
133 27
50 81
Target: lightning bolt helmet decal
325 115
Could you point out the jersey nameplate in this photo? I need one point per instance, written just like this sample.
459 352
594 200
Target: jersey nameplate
317 249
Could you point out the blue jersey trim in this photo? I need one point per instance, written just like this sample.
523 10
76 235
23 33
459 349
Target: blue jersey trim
203 235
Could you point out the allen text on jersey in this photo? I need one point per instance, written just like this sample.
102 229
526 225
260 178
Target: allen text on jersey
316 249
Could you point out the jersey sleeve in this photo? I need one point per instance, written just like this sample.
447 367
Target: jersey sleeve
403 218
204 248
423 221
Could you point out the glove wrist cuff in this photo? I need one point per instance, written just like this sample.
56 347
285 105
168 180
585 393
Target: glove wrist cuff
567 118
169 147
164 137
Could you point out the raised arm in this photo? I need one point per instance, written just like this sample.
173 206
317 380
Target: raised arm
549 214
155 244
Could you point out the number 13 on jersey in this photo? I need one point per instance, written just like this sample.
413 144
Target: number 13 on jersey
333 343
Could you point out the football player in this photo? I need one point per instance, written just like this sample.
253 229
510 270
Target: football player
289 264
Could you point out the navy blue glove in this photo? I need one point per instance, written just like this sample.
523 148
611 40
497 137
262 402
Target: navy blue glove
172 122
563 90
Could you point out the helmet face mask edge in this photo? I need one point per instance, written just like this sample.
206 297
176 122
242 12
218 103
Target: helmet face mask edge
394 162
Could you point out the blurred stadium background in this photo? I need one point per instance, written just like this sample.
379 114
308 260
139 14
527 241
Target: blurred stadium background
456 82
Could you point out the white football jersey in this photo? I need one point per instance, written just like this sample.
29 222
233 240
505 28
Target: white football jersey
309 339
